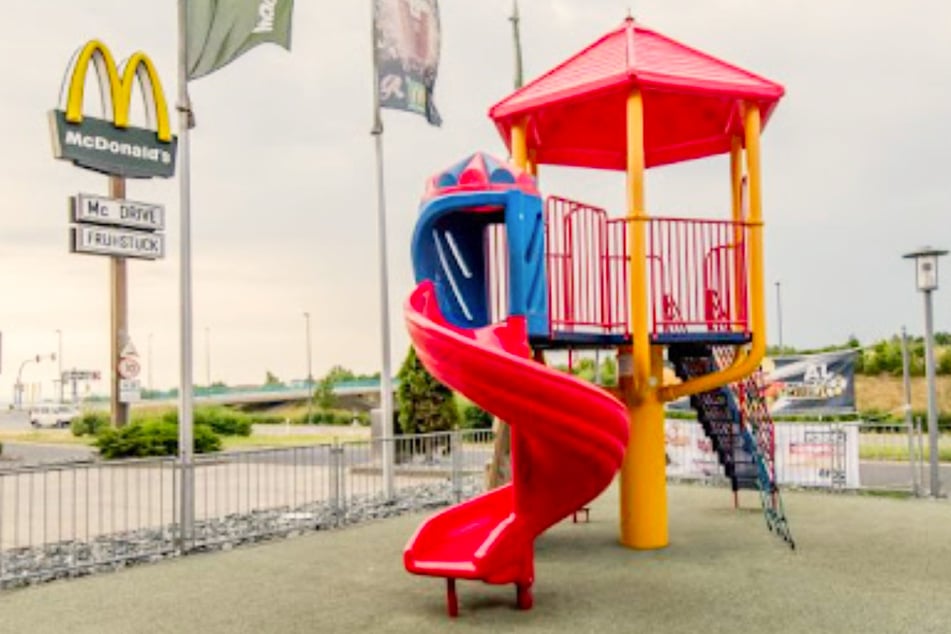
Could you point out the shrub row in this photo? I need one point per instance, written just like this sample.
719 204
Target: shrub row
90 423
332 417
151 438
221 420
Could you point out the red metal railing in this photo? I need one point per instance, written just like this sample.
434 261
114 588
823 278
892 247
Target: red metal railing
696 270
587 269
697 275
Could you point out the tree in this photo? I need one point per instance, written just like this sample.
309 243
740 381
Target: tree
338 373
271 379
324 394
425 404
609 371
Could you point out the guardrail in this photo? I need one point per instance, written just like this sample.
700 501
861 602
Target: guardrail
68 519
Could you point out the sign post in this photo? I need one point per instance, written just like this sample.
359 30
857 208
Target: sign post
115 227
119 329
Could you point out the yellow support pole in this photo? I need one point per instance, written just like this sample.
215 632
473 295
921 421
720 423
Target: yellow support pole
519 145
532 164
643 474
736 178
740 301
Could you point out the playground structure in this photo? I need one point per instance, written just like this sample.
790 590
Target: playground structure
503 277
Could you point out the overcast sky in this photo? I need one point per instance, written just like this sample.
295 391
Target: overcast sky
856 162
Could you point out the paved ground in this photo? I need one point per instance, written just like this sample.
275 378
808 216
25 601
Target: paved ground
864 564
897 475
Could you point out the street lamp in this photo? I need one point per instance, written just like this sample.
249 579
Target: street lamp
310 376
779 315
59 359
18 387
926 279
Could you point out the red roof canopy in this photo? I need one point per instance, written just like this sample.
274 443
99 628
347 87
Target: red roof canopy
576 112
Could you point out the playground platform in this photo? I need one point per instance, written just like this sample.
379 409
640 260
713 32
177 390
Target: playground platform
863 564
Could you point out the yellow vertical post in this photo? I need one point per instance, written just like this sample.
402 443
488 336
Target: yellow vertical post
519 145
532 166
736 177
740 300
751 125
643 474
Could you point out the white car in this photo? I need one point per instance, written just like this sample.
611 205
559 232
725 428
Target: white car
52 415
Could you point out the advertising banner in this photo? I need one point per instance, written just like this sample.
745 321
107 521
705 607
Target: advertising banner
690 452
407 55
811 384
820 455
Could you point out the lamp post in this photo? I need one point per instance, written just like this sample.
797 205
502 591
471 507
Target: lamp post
310 376
59 360
779 315
18 387
926 279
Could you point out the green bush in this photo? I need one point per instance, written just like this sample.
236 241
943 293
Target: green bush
474 417
90 424
221 420
267 419
332 417
151 438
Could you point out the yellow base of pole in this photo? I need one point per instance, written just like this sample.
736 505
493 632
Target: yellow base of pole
644 479
644 472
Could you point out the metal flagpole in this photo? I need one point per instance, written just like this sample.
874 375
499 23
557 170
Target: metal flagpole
386 387
500 467
185 432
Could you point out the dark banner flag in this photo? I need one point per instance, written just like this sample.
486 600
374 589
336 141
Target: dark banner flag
407 55
220 31
815 383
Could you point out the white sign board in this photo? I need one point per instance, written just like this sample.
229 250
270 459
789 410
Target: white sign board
116 212
122 243
130 390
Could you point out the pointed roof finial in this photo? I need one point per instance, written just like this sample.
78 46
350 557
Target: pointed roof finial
630 16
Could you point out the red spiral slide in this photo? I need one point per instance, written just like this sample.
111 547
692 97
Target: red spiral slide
568 440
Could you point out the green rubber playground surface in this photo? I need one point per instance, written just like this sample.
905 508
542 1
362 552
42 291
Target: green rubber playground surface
863 564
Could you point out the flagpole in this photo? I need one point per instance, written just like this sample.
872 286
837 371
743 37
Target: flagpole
386 385
185 404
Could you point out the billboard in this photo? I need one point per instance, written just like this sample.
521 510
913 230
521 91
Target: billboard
811 384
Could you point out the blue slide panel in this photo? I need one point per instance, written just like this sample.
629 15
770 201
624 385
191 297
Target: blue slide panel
528 283
448 248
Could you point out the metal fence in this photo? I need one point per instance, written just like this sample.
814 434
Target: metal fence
69 519
72 518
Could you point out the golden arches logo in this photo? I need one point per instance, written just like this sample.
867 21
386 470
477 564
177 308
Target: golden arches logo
117 90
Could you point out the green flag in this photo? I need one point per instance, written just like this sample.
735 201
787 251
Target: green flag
220 31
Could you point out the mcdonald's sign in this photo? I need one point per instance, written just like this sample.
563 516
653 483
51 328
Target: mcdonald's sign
115 147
